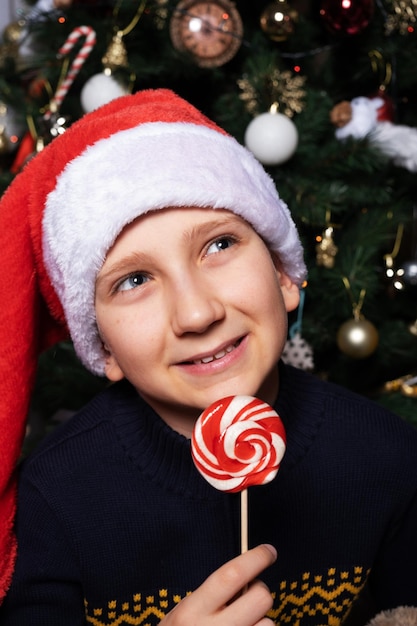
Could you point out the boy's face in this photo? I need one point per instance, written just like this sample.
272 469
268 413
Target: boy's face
192 308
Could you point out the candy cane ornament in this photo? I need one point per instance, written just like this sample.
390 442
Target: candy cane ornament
237 442
90 41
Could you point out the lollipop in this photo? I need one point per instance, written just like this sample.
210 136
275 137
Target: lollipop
238 442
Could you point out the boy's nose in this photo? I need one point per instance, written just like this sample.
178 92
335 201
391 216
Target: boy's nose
195 307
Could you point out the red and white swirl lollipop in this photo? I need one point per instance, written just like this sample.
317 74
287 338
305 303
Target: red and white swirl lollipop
238 442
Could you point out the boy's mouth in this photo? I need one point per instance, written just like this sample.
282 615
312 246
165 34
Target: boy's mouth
218 355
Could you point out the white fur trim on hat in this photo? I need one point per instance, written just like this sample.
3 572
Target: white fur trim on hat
148 167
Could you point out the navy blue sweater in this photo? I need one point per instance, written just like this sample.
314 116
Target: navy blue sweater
115 525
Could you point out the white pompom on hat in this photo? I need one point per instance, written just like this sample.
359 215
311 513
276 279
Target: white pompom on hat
63 212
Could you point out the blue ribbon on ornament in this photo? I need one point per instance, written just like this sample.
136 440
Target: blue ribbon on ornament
296 326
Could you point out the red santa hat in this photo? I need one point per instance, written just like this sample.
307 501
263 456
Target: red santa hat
63 212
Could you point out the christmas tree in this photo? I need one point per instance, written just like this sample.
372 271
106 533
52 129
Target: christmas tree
324 93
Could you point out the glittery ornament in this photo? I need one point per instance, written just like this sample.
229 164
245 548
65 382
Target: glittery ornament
283 87
298 352
326 249
278 20
403 18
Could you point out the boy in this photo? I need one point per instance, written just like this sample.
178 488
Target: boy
163 246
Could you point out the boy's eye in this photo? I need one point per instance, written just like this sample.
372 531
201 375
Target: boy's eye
132 281
222 243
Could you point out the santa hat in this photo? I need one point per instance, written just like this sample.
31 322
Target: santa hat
63 212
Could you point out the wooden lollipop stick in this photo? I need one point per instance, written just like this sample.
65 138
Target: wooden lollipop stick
244 521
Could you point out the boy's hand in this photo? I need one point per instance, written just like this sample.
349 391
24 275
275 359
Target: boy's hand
218 601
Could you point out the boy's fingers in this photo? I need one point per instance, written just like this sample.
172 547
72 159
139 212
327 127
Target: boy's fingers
221 586
250 607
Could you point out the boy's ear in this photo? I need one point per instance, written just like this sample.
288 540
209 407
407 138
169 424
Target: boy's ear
111 368
290 291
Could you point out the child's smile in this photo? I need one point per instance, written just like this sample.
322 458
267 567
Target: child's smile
216 360
220 353
184 316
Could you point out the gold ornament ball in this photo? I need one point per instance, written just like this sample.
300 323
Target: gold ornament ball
13 32
278 20
357 338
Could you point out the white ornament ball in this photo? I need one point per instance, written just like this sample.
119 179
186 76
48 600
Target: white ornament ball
272 138
100 89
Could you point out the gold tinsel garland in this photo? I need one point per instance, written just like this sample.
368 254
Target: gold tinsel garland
280 86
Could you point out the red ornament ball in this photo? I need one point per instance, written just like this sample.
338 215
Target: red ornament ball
346 17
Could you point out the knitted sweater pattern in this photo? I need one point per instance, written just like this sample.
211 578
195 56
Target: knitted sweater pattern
115 525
